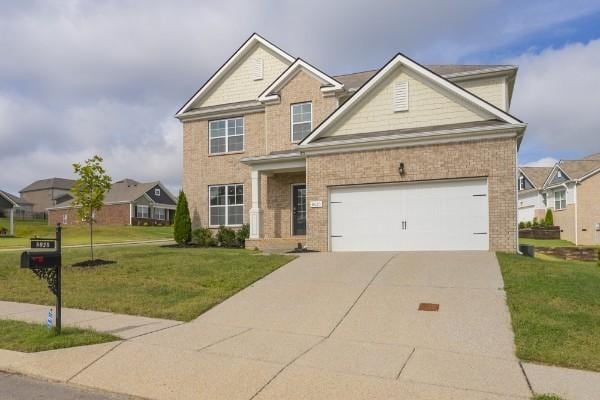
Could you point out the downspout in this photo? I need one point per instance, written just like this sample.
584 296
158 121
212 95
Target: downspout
130 212
576 212
516 183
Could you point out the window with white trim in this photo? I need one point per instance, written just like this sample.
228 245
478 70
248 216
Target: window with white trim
141 211
226 205
159 213
545 199
226 135
560 199
65 219
301 120
157 192
521 182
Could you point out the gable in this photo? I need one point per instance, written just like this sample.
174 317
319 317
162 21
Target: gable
557 176
163 198
492 90
428 105
526 182
239 84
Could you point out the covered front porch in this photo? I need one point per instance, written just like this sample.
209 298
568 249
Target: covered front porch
278 209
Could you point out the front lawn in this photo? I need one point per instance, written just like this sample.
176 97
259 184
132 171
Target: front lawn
80 234
547 242
149 280
555 309
26 337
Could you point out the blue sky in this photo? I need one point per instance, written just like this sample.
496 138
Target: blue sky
82 77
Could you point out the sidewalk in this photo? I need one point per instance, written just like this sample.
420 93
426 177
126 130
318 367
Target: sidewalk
77 246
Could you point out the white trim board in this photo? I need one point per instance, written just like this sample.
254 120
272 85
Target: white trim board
234 59
417 68
268 93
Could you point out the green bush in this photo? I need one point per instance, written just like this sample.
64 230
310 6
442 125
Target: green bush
203 237
226 237
535 222
521 225
242 234
549 218
528 224
182 231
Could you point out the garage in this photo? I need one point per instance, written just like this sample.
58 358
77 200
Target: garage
429 215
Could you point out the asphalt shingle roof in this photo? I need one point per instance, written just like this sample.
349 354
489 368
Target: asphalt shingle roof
576 169
50 183
15 199
537 175
126 190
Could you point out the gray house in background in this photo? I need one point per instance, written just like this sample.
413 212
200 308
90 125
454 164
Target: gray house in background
11 206
128 202
47 193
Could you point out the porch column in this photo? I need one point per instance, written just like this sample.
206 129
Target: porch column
11 226
255 210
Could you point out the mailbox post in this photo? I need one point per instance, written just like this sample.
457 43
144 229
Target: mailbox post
47 265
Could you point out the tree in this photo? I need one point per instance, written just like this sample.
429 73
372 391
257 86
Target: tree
89 190
549 218
182 231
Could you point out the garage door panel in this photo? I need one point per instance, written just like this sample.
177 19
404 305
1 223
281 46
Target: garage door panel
441 215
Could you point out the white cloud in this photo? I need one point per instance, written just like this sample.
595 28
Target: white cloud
557 94
542 162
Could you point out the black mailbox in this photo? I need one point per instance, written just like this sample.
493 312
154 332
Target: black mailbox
40 259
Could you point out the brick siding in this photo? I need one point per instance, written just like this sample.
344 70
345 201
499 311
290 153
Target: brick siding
111 214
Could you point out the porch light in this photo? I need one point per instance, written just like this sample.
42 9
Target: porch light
401 169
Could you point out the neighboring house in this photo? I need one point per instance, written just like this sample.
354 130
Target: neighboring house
11 206
571 189
128 202
47 193
406 157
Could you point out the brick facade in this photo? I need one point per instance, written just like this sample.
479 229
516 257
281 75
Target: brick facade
588 210
494 159
111 214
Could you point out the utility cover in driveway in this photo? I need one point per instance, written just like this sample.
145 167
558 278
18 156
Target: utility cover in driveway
433 215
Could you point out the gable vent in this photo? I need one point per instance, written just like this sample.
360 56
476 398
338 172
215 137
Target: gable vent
257 71
400 101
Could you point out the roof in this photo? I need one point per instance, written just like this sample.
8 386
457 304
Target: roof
16 200
592 157
355 80
537 175
577 169
124 191
50 183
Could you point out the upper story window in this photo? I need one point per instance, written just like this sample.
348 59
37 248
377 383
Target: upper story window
157 192
521 182
301 120
226 135
560 199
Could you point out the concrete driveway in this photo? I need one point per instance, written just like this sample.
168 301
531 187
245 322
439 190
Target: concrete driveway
336 326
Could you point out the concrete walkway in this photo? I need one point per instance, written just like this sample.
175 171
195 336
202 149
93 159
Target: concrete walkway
325 326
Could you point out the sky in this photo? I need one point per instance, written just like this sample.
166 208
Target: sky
79 78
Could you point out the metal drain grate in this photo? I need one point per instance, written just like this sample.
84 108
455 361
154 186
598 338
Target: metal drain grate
429 307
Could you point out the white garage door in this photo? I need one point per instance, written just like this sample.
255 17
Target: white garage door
440 215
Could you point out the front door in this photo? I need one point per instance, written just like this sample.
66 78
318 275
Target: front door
298 210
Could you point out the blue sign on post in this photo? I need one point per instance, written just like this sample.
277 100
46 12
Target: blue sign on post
50 319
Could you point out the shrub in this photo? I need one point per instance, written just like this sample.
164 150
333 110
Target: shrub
145 223
226 237
203 237
535 222
521 225
549 219
242 234
182 232
528 224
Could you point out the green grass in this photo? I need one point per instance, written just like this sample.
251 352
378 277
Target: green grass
547 242
546 397
27 337
79 234
555 309
149 280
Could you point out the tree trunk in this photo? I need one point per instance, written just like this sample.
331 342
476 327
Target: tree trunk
91 234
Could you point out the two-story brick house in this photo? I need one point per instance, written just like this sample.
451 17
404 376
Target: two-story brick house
406 157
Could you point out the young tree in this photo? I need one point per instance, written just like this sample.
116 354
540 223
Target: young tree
182 230
549 218
89 190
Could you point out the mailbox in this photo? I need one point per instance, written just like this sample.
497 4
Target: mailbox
40 259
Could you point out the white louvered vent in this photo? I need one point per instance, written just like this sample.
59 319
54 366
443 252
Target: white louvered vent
257 72
400 96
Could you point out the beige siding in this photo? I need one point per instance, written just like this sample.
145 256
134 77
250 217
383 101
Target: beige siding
239 84
492 90
588 210
428 106
565 218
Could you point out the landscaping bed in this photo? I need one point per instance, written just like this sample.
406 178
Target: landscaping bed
555 309
153 281
28 337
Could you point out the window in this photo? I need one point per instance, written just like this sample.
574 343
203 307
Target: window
521 182
545 199
301 121
226 205
226 135
65 219
159 213
157 192
560 199
142 211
